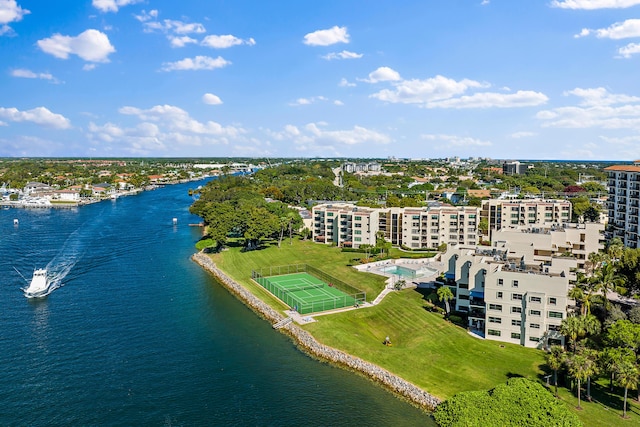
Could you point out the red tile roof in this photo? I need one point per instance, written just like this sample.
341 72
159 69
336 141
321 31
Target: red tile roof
623 168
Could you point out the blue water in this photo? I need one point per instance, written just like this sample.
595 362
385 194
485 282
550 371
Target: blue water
139 335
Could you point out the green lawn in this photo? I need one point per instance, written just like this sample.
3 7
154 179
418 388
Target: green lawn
428 351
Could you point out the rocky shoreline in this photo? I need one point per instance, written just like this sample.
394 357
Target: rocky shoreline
309 344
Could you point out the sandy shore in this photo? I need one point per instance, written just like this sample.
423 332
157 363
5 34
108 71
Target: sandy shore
309 344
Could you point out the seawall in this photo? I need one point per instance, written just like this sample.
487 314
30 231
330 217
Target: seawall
309 344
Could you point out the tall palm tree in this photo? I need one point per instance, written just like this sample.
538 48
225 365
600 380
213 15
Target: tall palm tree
555 359
445 294
628 378
612 358
592 355
580 368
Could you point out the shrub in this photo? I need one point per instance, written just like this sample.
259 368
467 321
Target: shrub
519 402
456 320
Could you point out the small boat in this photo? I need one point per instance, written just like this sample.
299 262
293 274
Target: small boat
39 286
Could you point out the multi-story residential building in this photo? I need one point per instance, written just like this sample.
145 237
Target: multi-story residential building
512 213
556 248
624 203
349 225
506 299
515 168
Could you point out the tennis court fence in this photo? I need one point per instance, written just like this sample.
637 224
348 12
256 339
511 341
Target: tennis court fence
352 295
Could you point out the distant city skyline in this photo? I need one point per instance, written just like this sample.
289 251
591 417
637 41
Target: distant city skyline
553 79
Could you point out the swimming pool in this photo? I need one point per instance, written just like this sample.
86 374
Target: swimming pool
408 272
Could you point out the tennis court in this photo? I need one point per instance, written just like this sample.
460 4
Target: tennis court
306 293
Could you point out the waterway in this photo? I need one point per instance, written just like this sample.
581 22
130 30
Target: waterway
140 335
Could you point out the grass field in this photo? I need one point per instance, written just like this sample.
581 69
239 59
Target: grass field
428 351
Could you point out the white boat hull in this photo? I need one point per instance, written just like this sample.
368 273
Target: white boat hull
40 285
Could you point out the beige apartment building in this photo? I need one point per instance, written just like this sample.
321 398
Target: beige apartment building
506 299
527 212
623 204
345 224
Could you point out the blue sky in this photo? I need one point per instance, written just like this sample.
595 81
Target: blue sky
525 79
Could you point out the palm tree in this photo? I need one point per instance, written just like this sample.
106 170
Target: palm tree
628 378
607 280
572 328
555 359
445 294
612 358
580 367
577 294
592 355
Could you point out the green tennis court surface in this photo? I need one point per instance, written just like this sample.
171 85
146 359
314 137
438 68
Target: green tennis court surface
306 293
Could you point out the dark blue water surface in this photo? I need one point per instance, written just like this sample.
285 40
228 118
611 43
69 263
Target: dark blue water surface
140 335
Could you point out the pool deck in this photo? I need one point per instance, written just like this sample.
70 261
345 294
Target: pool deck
410 263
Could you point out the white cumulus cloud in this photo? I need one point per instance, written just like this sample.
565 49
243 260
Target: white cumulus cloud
444 92
10 11
147 16
620 30
522 98
38 115
211 99
628 50
345 54
90 45
597 109
383 74
225 41
346 83
197 63
28 74
594 4
112 5
176 27
328 37
181 41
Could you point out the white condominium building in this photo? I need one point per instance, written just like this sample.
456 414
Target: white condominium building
344 224
506 299
512 213
624 203
556 248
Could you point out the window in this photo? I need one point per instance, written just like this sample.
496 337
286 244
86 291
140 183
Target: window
535 339
329 213
496 307
534 312
554 328
499 295
495 320
516 323
500 282
493 332
516 297
534 326
357 231
515 335
514 284
357 225
552 301
516 309
357 239
535 299
555 314
357 218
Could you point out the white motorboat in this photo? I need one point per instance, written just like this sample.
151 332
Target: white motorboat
40 285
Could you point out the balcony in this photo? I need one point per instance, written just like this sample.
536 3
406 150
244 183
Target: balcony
476 302
477 314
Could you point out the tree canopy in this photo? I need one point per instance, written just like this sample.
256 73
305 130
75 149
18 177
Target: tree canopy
519 402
